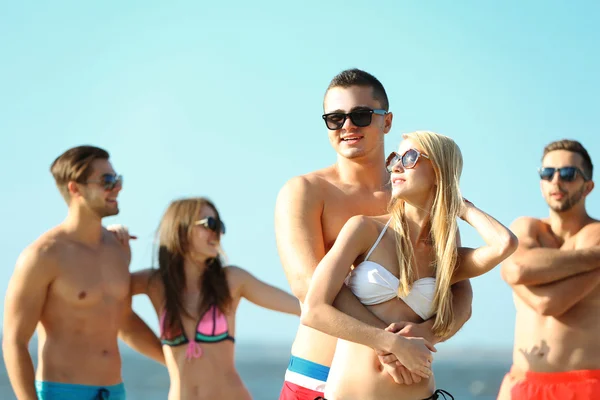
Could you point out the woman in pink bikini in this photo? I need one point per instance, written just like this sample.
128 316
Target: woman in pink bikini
196 299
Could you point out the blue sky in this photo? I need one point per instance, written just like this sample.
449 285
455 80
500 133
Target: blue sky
224 100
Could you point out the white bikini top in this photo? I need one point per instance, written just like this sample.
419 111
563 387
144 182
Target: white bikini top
373 284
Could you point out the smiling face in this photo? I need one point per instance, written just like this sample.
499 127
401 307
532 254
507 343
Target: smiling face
204 242
93 195
351 141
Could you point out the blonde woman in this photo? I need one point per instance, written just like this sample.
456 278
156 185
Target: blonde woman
196 298
405 263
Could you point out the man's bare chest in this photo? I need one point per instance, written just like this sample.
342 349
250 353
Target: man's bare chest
337 212
87 278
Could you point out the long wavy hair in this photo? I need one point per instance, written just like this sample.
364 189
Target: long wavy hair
447 162
174 240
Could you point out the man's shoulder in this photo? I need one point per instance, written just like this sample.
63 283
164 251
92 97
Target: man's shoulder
49 244
112 243
529 220
315 179
313 184
44 251
528 224
589 235
593 228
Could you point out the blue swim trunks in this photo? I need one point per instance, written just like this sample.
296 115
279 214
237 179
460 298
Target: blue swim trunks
68 391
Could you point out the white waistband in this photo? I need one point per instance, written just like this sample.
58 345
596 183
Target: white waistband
304 381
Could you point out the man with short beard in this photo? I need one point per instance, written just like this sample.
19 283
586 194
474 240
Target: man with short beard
73 284
555 276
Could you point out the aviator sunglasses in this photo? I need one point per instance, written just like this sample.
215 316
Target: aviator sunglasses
213 224
109 181
360 118
408 159
566 174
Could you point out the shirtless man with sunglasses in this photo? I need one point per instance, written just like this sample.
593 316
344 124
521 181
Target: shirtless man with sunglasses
312 209
73 284
555 276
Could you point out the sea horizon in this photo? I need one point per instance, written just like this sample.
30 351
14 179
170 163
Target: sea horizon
467 373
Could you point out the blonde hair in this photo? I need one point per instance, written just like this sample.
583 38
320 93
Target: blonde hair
447 162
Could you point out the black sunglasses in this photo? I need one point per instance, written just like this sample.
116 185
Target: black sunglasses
213 224
408 159
109 181
360 118
567 174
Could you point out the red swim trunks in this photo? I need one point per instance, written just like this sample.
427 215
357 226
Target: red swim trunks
291 391
571 385
304 380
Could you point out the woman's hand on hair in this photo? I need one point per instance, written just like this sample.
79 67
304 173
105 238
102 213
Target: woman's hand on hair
466 206
121 232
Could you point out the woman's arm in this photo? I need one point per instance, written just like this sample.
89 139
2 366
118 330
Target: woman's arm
500 243
140 281
318 311
264 295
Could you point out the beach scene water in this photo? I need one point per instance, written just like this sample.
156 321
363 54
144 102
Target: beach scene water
471 374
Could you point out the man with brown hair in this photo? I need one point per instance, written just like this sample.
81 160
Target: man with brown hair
312 209
555 276
73 284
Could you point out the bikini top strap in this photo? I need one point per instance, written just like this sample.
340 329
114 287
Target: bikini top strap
378 240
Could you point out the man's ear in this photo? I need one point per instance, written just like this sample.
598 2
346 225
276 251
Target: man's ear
589 187
73 189
387 122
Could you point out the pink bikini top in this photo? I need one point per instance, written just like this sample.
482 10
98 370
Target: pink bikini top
211 328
